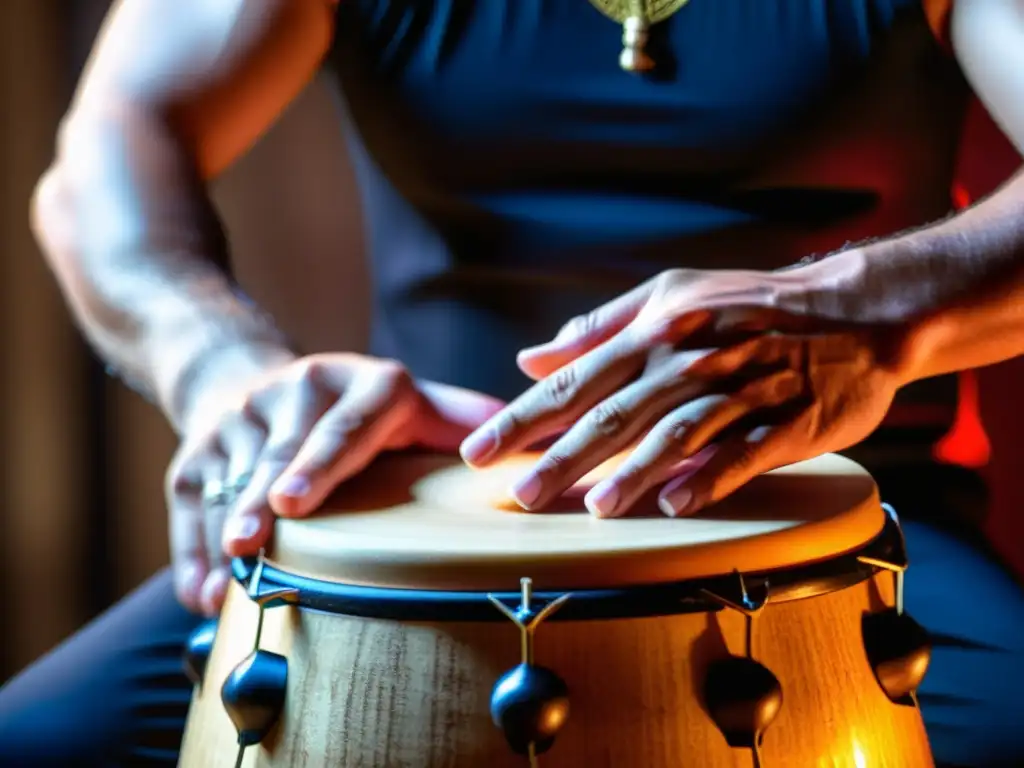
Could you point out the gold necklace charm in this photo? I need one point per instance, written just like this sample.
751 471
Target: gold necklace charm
636 18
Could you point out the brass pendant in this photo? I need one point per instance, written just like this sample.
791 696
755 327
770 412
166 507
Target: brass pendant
636 18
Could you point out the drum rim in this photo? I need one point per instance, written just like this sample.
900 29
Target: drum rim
835 510
692 596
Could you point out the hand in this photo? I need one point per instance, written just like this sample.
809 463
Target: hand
704 421
297 431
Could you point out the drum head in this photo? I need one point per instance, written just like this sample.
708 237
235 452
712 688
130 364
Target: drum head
422 521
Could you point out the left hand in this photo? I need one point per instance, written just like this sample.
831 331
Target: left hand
632 374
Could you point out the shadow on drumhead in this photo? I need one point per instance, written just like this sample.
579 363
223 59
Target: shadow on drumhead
571 502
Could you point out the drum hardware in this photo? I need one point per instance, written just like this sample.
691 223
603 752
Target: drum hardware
654 585
253 693
743 696
197 650
529 703
897 647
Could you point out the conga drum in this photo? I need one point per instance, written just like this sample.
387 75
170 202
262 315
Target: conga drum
421 620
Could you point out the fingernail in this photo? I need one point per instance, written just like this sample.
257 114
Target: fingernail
603 499
293 486
675 498
241 528
479 446
527 490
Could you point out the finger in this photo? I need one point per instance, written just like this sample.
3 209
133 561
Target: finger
735 463
214 590
450 414
604 431
553 403
214 514
682 434
243 438
186 517
290 421
584 332
374 408
761 351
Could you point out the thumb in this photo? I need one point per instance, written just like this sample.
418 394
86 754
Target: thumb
451 414
583 333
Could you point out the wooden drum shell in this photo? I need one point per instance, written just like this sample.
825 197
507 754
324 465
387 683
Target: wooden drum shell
373 693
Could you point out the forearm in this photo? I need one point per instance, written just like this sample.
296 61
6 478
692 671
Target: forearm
135 245
954 290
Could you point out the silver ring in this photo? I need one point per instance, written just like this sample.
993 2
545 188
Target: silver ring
218 492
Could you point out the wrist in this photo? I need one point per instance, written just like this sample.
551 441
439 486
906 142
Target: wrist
856 288
832 288
216 373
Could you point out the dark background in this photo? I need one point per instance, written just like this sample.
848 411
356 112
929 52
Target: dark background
82 519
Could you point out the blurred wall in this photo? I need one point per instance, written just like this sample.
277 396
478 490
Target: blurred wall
44 372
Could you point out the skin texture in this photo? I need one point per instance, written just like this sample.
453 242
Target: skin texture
173 94
845 334
680 370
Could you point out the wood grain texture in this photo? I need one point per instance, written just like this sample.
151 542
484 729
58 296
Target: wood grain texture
386 694
372 693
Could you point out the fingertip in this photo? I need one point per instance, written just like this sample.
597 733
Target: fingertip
290 496
535 362
677 500
288 506
480 447
188 581
244 534
213 592
603 500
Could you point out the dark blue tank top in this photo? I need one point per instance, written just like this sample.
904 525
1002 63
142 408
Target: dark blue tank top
512 175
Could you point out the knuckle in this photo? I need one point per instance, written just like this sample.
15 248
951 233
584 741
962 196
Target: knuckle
307 369
562 386
580 326
246 410
671 276
674 431
507 425
609 419
394 377
553 463
283 448
179 479
175 484
322 448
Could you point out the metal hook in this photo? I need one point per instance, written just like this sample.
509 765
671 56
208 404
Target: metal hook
525 617
897 561
743 601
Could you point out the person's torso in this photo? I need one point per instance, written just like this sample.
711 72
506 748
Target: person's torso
513 175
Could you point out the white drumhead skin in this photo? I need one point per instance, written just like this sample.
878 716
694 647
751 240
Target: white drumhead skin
425 521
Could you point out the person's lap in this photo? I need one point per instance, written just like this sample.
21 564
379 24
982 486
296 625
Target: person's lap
114 694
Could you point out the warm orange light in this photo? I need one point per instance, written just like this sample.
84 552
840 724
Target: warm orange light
859 761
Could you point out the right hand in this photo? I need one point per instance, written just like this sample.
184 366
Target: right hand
300 428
